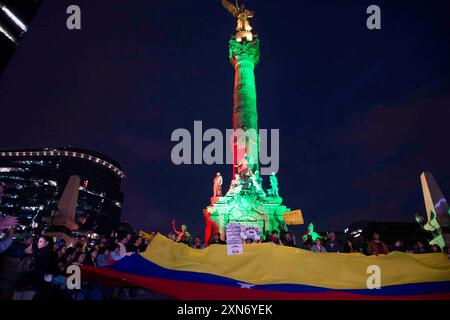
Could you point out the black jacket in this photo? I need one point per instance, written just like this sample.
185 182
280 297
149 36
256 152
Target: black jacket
43 264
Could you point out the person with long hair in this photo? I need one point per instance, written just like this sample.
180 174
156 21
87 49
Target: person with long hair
36 280
350 247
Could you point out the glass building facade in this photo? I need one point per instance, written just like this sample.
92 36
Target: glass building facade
34 180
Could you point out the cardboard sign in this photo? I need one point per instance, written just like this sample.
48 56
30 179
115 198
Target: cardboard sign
234 241
293 217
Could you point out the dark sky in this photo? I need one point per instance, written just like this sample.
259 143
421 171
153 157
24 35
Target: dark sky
361 113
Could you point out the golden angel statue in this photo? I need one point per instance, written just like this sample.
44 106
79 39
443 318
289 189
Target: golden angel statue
243 25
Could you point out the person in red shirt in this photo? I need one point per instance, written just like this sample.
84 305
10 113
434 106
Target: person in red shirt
376 246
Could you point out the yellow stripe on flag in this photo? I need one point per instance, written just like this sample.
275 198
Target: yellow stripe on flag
267 263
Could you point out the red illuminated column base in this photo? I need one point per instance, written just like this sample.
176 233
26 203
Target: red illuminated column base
211 226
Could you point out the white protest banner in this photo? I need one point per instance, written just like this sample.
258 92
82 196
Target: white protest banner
234 241
250 232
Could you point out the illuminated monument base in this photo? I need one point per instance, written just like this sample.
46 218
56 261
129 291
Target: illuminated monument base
246 208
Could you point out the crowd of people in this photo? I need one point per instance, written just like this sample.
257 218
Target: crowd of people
35 267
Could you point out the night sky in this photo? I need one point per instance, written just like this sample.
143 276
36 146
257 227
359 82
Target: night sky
361 113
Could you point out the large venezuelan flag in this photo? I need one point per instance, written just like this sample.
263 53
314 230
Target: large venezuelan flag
266 271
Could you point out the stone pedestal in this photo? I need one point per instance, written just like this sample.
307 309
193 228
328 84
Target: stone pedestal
246 208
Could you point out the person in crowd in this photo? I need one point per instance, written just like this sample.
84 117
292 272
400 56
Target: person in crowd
65 258
59 243
376 246
144 245
398 246
17 248
7 241
79 247
274 238
103 242
70 255
267 237
216 239
114 253
332 245
79 259
129 245
318 247
248 241
7 222
288 240
136 245
186 239
183 235
435 248
95 247
60 253
419 248
35 281
103 257
307 243
91 258
365 245
350 247
83 241
172 236
123 247
446 250
198 243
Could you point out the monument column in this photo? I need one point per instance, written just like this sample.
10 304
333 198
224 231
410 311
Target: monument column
246 202
244 56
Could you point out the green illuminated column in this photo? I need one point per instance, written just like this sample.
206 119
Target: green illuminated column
244 56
